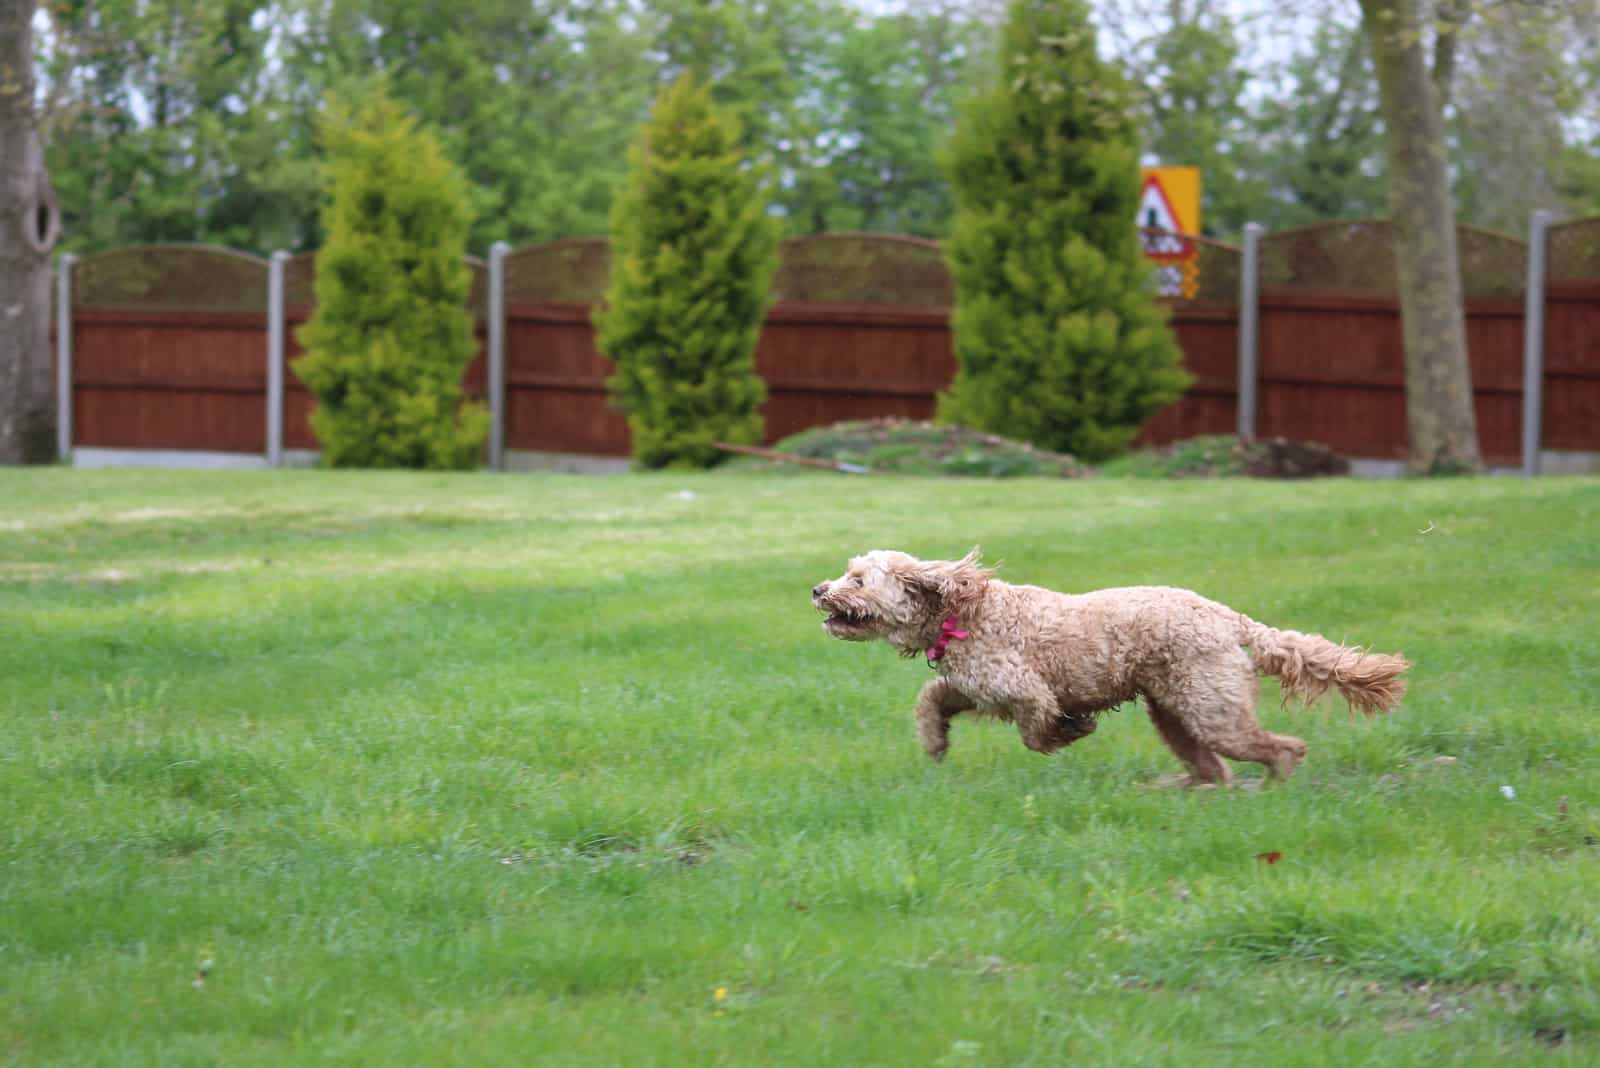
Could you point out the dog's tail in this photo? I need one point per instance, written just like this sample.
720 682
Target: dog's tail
1308 664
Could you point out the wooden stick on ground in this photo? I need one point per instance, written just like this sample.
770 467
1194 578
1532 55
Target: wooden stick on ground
791 458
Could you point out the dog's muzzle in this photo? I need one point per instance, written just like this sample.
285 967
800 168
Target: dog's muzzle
843 621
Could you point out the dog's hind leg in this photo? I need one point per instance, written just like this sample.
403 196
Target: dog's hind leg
1217 706
937 705
1279 753
1204 765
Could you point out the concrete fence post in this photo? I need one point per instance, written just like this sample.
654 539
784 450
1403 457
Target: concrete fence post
64 355
497 354
277 327
1249 328
1533 344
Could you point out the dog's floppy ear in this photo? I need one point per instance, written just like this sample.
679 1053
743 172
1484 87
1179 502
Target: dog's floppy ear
957 585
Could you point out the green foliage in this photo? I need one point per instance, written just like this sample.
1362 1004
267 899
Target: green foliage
889 97
693 254
1306 146
171 122
1194 86
1058 336
765 63
164 124
1320 139
537 125
907 447
391 338
1210 456
168 120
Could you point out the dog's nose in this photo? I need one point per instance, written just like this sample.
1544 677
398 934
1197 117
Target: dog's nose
818 591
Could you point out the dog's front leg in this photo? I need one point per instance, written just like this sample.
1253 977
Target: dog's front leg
1038 716
937 704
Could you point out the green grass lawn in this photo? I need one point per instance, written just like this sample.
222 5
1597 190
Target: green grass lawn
505 770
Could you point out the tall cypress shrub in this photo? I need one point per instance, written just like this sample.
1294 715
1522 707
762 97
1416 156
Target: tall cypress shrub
1058 336
391 337
693 253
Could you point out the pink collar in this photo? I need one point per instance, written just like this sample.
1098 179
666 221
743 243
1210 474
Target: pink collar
947 632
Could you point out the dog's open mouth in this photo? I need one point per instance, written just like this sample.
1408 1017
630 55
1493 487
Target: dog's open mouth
845 620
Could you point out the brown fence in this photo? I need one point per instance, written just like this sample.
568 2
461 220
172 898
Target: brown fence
859 328
170 342
1572 337
169 349
1332 364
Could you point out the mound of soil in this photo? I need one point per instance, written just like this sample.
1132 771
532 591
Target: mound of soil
1227 456
1282 458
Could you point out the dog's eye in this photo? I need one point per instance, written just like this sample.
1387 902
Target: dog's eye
855 580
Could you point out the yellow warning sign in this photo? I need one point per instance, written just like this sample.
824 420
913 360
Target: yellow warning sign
1169 212
1177 192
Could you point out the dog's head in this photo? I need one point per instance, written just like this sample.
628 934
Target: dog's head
898 598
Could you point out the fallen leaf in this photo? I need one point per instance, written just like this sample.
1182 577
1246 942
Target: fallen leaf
1271 857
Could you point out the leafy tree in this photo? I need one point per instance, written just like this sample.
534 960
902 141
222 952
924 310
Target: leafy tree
165 123
1200 118
535 100
390 337
890 86
1058 336
1185 63
1522 76
765 63
1319 134
693 252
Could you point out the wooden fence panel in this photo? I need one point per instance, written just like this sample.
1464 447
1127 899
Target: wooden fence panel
831 362
1208 335
1572 366
1333 371
169 349
556 383
151 379
821 363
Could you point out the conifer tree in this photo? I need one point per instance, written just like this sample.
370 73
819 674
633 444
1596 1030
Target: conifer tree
391 337
693 253
1059 339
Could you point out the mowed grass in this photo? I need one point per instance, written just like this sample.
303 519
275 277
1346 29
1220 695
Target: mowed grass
305 768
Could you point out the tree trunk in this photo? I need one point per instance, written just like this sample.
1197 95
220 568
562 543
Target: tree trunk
29 226
1439 413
